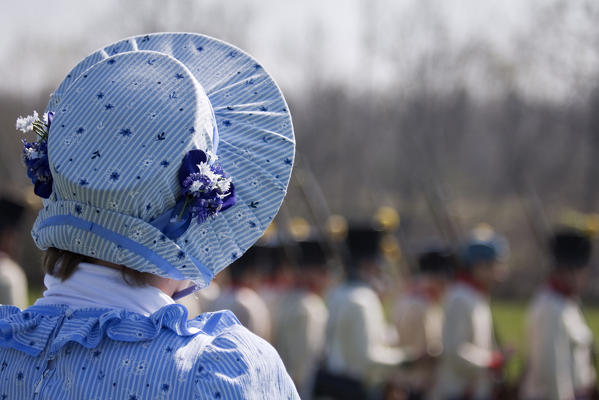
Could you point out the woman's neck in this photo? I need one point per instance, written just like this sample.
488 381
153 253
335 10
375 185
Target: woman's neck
96 286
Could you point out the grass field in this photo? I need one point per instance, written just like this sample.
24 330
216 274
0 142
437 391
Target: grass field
509 319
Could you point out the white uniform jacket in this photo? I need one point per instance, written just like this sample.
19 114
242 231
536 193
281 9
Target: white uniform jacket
419 323
468 345
356 343
248 307
559 343
299 339
13 283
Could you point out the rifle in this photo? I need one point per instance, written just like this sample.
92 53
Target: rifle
318 209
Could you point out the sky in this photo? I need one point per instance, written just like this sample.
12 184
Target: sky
358 44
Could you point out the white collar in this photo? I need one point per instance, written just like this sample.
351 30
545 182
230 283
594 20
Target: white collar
95 286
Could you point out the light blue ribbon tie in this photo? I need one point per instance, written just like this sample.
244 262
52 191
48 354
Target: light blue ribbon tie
170 223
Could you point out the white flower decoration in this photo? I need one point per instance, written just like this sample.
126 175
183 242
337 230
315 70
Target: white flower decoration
205 170
195 186
224 184
31 153
211 156
25 124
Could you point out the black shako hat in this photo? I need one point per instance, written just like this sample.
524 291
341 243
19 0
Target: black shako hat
252 261
276 257
437 261
363 242
10 213
570 248
311 254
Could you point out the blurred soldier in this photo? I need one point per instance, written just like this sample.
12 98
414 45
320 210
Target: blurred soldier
13 282
357 354
302 318
278 279
560 341
241 296
470 360
418 317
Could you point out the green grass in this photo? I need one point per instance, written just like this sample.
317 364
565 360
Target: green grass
34 293
510 319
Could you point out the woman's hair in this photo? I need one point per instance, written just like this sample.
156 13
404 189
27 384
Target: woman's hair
62 264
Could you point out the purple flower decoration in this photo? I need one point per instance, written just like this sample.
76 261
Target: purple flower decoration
35 154
206 187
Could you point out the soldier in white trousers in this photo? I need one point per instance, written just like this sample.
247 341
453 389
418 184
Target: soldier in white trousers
13 282
278 279
358 356
241 295
418 317
470 358
302 317
560 344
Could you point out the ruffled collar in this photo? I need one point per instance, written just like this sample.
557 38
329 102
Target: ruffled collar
96 286
42 327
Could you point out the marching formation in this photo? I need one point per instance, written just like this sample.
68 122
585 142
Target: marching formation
346 327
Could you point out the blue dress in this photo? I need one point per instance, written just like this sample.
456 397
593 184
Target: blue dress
55 352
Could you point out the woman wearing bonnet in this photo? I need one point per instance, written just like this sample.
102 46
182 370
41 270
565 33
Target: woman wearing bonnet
160 160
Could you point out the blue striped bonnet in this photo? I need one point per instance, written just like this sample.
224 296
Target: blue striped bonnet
124 120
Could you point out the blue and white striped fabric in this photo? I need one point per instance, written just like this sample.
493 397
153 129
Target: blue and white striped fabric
124 119
54 353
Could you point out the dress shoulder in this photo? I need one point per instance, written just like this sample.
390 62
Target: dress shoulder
238 364
135 357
